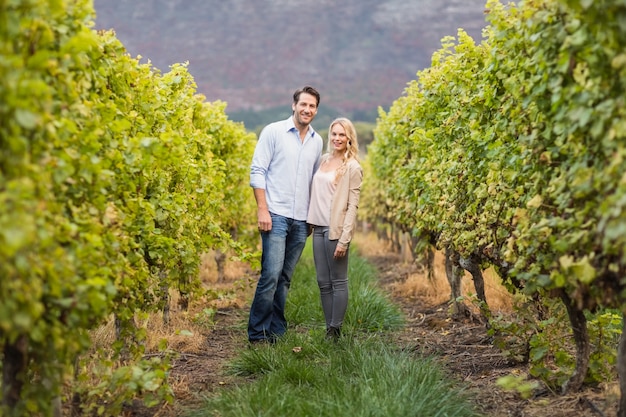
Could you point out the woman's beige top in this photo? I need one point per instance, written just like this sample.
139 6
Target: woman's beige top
344 202
322 192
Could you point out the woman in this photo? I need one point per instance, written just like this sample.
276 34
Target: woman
332 214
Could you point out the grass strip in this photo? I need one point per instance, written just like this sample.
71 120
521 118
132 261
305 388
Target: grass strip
304 374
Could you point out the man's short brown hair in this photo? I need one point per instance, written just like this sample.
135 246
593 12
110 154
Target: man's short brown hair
308 90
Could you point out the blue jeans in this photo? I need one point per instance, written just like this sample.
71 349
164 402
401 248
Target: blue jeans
282 247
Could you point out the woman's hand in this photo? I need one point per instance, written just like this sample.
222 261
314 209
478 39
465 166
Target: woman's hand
340 251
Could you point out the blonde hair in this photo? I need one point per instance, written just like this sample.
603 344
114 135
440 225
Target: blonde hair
352 146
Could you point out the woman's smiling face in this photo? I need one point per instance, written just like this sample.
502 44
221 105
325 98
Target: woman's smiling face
338 138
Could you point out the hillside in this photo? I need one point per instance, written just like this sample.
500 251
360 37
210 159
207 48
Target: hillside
252 54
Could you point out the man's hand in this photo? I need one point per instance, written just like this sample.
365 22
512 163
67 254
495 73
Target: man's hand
264 220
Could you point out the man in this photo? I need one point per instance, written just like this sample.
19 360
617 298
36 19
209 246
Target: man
286 157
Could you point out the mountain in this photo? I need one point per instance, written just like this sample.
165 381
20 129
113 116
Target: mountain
253 54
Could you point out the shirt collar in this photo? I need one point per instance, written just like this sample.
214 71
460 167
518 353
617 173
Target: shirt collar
292 126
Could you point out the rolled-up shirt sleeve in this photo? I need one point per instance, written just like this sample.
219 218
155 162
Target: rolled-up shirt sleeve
261 161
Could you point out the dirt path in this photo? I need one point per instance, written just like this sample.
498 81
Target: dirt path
462 347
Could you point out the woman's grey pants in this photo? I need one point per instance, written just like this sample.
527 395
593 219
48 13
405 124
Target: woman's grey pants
332 277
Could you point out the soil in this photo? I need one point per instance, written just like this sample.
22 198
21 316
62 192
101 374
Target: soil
462 346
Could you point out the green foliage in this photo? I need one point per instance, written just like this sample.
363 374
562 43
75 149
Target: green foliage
512 334
365 134
114 179
547 344
551 355
513 150
605 329
205 318
518 384
116 387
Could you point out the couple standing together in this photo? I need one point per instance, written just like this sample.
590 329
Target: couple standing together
298 189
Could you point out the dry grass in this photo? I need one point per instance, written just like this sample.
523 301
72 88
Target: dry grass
437 291
208 271
186 330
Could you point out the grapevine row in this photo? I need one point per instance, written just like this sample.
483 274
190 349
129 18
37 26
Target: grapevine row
511 153
114 179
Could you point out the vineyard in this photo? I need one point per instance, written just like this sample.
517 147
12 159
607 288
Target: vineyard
510 154
116 179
